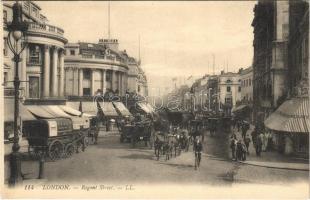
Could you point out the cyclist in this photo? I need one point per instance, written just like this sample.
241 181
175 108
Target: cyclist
197 150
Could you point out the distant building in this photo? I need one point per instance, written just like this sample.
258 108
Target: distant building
229 91
246 77
137 81
244 107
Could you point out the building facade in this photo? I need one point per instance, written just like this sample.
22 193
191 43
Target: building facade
229 91
137 81
284 106
271 20
244 107
41 70
90 68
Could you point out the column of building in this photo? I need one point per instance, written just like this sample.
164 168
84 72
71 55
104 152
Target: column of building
54 73
23 71
113 81
61 74
92 83
103 81
80 85
46 72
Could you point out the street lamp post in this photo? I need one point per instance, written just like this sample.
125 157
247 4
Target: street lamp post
210 89
16 31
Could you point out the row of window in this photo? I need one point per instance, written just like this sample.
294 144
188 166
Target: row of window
87 75
246 82
228 89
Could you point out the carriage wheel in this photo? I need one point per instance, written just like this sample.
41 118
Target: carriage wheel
121 139
69 150
133 142
55 150
86 141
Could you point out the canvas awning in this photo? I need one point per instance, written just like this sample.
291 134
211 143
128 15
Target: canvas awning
55 111
121 109
108 109
39 112
239 108
9 111
291 116
72 108
144 108
150 107
70 111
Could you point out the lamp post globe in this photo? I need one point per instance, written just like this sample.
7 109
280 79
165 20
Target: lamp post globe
17 35
17 29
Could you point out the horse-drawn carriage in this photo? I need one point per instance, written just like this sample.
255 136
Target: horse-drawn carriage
138 131
171 136
54 137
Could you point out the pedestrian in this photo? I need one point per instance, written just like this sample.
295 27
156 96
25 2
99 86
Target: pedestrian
254 136
247 141
270 142
244 129
259 144
265 142
233 144
233 135
238 125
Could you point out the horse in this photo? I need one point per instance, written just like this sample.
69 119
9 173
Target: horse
184 139
159 143
173 142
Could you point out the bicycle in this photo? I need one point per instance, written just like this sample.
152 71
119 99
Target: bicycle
197 159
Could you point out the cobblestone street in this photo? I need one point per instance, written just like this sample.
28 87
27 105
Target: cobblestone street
113 162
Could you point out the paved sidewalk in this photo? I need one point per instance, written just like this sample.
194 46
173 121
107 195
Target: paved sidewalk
272 159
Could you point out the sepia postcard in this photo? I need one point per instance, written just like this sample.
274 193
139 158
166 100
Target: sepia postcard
155 99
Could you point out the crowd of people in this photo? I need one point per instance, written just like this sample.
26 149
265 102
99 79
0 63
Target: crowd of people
260 138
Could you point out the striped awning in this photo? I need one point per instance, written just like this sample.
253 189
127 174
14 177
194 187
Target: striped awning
239 108
291 116
108 109
121 109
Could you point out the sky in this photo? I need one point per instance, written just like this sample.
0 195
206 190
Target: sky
177 39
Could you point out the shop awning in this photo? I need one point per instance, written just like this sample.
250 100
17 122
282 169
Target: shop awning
121 109
144 108
150 107
89 109
70 111
239 108
39 112
109 110
9 111
55 111
291 116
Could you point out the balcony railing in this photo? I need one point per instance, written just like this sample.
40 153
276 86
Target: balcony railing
33 26
101 57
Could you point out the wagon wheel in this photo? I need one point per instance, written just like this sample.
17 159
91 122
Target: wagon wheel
69 150
86 141
55 150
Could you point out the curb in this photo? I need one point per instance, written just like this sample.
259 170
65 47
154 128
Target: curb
273 167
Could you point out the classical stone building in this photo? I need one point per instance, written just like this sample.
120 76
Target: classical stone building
42 67
281 78
95 67
244 107
102 67
229 91
271 32
137 81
